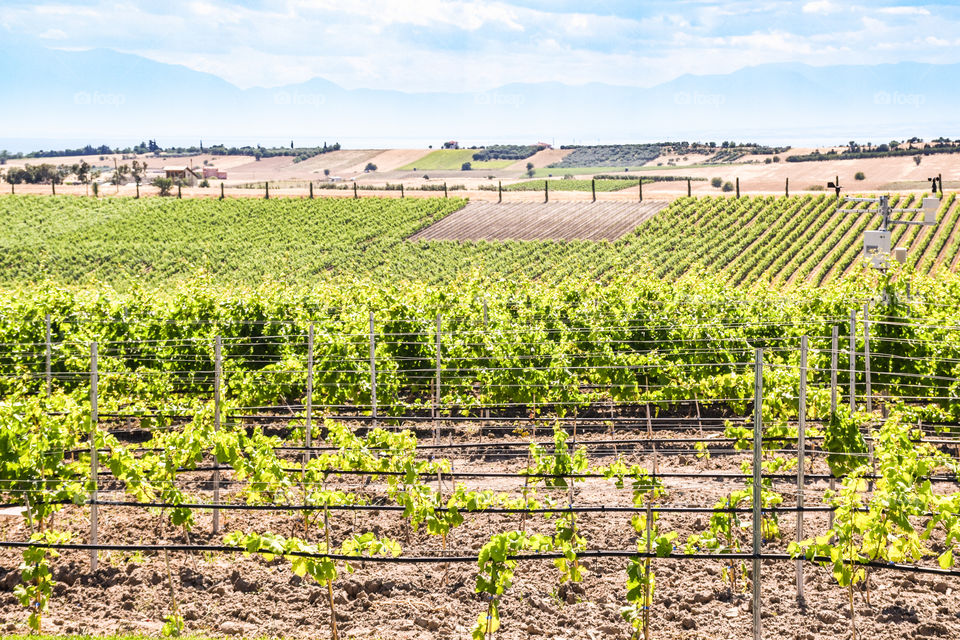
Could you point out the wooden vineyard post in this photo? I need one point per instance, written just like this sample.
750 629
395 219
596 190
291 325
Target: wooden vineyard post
48 353
444 189
546 191
640 190
486 409
757 479
355 194
402 196
94 462
689 191
647 596
853 362
311 189
309 400
801 457
786 188
866 355
373 374
499 191
834 357
738 187
593 188
266 190
436 384
138 190
179 192
217 384
221 190
53 187
869 390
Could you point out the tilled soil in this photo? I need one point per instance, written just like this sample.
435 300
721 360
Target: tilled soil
232 595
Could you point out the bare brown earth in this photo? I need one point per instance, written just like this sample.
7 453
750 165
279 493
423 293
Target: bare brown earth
547 221
540 159
230 595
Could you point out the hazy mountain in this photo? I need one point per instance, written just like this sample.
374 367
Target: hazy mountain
102 96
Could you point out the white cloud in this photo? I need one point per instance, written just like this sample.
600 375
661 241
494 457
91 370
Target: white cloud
474 45
820 7
905 11
53 34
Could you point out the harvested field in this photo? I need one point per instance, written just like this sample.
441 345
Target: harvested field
545 221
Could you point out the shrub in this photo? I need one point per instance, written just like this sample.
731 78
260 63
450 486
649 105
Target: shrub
728 186
370 167
466 166
164 184
767 161
859 176
776 158
204 183
716 182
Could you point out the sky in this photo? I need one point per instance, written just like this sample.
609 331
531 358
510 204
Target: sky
444 45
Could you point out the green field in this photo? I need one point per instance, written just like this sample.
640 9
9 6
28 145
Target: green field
572 185
122 241
452 160
169 335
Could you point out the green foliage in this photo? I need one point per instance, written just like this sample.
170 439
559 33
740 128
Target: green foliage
641 582
36 579
172 626
310 559
496 566
843 439
613 155
163 184
125 242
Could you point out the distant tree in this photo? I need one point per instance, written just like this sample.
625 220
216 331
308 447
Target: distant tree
137 171
164 184
326 172
15 175
466 166
204 183
83 173
728 186
529 166
917 159
859 176
716 182
776 158
370 167
426 177
120 174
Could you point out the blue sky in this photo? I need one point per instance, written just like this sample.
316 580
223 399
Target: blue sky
423 45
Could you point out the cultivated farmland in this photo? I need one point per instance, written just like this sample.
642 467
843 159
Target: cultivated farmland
523 221
784 240
452 160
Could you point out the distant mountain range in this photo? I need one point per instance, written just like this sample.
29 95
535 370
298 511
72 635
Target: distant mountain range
104 97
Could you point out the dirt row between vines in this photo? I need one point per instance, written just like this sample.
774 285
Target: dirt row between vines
225 595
